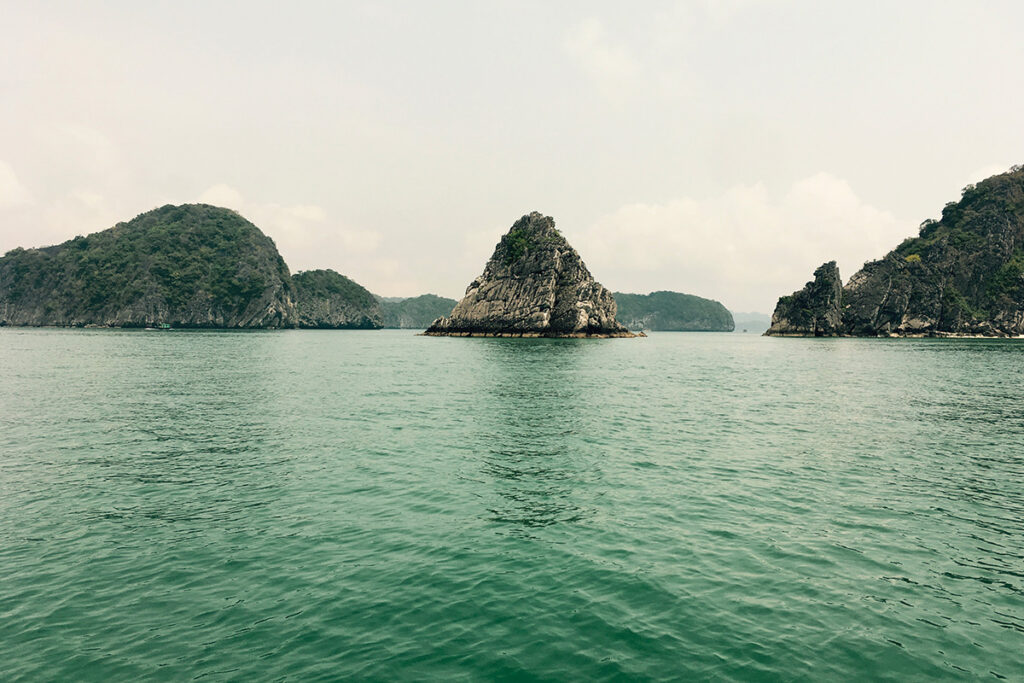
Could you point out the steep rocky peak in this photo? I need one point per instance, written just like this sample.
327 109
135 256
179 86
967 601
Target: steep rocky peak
534 284
535 222
528 236
827 273
814 310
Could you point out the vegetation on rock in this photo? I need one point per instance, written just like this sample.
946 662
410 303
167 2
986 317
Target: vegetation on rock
190 266
962 274
185 266
672 311
327 299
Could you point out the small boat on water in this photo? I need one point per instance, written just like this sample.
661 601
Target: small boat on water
161 326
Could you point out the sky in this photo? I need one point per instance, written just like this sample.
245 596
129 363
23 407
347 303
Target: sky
724 149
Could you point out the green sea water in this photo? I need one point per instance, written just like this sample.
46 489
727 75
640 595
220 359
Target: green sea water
307 505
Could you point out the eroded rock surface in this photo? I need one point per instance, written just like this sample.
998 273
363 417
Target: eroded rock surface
534 285
815 310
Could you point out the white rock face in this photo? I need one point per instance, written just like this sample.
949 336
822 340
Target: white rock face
534 285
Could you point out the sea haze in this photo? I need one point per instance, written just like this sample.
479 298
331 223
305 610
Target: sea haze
300 504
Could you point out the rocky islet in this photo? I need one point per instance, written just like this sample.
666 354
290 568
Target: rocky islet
534 285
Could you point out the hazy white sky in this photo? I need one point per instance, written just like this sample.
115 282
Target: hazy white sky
723 149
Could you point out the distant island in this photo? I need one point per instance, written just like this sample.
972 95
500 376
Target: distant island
672 311
192 265
751 321
534 285
325 299
963 275
414 313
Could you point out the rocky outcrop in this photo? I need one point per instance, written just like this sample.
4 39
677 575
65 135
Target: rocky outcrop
672 312
962 275
534 285
188 266
325 299
815 310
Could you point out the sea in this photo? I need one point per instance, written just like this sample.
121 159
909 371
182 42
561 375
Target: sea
378 505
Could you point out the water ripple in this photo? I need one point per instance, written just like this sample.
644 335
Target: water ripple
308 505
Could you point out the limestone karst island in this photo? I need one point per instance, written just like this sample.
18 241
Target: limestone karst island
963 275
188 266
534 285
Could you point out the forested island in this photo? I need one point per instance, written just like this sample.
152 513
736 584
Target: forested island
326 299
962 275
192 265
672 311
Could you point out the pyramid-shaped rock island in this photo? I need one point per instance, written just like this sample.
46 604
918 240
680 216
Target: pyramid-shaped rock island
535 285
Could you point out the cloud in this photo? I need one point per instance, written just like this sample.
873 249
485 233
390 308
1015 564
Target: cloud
222 195
12 192
88 199
79 212
304 234
609 65
987 172
30 221
744 247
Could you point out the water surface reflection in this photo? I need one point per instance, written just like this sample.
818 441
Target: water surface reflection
535 450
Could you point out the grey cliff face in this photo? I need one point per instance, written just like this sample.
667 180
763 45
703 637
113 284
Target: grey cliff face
815 310
336 313
968 282
893 297
271 309
534 285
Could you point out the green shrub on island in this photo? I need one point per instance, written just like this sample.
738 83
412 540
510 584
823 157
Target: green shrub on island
516 244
